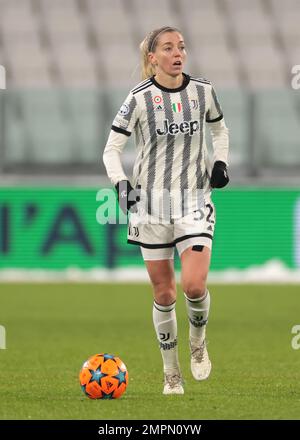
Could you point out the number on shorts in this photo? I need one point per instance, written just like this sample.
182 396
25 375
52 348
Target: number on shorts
211 211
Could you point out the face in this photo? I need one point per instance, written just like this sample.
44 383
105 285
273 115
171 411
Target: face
169 55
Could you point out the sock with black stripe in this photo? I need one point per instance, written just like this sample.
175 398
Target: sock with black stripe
165 324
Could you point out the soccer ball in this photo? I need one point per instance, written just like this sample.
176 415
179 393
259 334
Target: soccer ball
103 376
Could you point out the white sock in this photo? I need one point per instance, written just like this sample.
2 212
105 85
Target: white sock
198 310
165 324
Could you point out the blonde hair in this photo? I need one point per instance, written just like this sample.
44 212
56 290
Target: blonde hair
148 45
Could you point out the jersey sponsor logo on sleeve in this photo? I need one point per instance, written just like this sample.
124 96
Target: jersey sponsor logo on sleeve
185 127
124 110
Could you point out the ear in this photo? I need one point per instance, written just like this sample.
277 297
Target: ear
152 58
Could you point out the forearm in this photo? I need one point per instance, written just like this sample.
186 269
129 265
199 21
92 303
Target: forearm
220 141
112 157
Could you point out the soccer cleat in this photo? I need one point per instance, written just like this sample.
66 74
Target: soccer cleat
200 363
173 383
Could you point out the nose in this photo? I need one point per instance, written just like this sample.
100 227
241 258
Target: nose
177 53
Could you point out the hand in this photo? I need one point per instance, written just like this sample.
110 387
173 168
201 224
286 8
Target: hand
127 196
219 177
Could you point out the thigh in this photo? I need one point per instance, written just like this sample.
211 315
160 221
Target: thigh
195 266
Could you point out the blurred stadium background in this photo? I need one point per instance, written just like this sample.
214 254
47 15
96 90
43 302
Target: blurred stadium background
69 65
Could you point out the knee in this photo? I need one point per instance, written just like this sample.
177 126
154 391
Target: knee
195 290
164 294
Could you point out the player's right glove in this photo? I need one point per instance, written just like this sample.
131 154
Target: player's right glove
219 177
127 196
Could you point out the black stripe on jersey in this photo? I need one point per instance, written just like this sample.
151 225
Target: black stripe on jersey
169 146
201 80
120 130
202 104
141 84
145 86
132 104
218 107
143 149
153 142
187 141
216 119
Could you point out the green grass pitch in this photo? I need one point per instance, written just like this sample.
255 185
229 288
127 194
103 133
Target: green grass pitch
51 329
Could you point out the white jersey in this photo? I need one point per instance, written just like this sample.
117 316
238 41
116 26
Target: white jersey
169 129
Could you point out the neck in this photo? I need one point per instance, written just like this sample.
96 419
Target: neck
170 82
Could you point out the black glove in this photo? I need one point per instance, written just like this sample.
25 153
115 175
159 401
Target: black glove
127 196
219 177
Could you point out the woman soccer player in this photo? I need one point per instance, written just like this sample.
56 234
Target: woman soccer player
169 199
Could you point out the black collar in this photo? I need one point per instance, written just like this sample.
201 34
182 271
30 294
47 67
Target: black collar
186 80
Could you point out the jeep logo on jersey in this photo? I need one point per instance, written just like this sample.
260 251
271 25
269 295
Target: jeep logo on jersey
185 127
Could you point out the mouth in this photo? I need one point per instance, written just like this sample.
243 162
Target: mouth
177 63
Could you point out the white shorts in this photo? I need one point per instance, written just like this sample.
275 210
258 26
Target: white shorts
158 240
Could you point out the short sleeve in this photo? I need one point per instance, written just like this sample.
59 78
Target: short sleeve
214 113
126 117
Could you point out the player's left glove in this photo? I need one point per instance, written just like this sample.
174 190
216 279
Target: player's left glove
219 176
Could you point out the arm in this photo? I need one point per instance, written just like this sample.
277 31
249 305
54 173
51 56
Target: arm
112 157
220 141
112 162
121 129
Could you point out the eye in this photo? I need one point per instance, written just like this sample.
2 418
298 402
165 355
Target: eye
182 48
168 48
